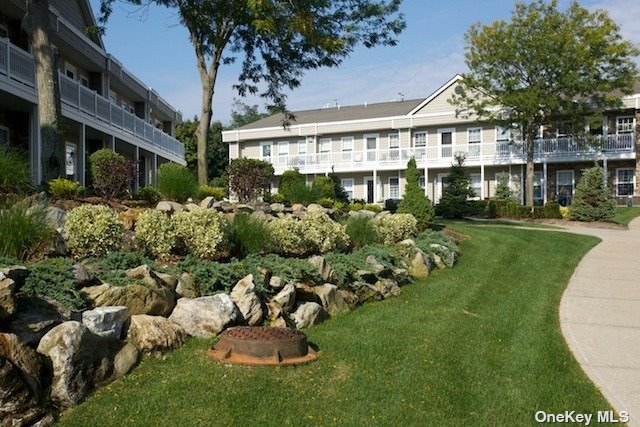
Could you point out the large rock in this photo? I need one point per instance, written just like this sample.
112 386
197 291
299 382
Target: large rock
387 288
80 360
248 302
447 255
105 321
36 317
365 291
155 334
276 282
125 360
308 314
277 207
286 298
191 207
297 207
28 362
18 406
83 276
139 299
187 286
326 271
365 276
350 298
56 217
129 217
418 268
332 301
316 208
8 301
207 202
17 273
169 207
438 261
205 316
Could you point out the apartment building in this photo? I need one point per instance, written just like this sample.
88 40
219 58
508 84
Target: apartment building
103 104
368 146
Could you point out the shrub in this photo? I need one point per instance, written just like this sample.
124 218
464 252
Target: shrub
249 178
355 206
93 230
217 193
346 265
274 198
53 279
323 233
23 231
149 195
155 232
15 172
112 173
503 191
415 202
202 232
326 202
338 190
121 261
457 189
220 181
373 207
290 178
395 228
593 200
361 231
176 182
299 192
64 188
391 205
565 212
288 237
248 235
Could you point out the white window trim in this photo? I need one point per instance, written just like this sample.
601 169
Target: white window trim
440 184
397 135
347 139
446 130
499 131
573 180
302 143
84 79
262 144
351 186
371 135
542 184
479 193
322 142
626 117
469 130
633 174
426 138
393 185
113 97
72 68
280 150
74 146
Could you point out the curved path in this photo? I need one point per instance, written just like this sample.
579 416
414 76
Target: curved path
600 316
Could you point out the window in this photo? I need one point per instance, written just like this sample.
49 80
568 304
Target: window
422 181
302 146
474 136
420 139
265 150
625 182
394 140
113 97
564 186
4 136
625 124
347 184
394 188
347 143
503 134
70 71
538 195
84 81
476 184
283 148
325 145
70 161
445 139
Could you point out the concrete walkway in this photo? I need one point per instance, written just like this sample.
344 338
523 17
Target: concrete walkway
600 316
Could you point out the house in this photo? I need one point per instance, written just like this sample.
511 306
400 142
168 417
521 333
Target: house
368 147
103 104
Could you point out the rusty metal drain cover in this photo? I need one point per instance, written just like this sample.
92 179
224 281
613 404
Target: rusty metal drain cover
258 345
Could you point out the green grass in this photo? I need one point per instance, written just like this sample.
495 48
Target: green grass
624 215
500 222
479 344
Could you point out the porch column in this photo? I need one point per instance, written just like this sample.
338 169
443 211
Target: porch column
522 184
400 193
426 180
482 186
35 146
136 158
545 188
112 143
606 169
375 186
81 155
154 169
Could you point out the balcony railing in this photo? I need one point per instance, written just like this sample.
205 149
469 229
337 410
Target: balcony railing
495 152
18 65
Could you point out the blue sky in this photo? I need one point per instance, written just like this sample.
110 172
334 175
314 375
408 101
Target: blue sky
430 51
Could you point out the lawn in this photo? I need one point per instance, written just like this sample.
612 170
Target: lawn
624 214
477 344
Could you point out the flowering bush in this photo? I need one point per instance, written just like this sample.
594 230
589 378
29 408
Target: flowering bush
396 227
64 188
323 233
202 231
288 236
565 212
155 232
93 230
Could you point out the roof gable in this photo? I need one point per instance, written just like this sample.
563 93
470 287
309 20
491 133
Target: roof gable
440 96
80 14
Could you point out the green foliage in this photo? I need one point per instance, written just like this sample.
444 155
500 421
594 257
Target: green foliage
202 231
361 231
23 231
124 261
249 178
314 233
274 198
346 265
6 261
299 192
112 173
373 207
175 182
288 237
218 193
415 202
217 151
395 227
325 187
64 188
456 191
149 195
155 232
503 191
243 114
508 209
15 172
391 205
221 181
248 235
288 179
53 279
93 230
593 200
427 237
326 202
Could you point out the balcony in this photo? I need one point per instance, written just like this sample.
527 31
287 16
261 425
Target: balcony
495 153
18 66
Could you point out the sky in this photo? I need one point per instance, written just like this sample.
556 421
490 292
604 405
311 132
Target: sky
154 47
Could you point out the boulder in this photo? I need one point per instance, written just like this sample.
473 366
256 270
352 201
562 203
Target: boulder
125 360
364 213
187 286
387 288
147 275
168 280
297 207
277 207
8 301
401 275
169 207
245 296
36 317
56 217
207 202
205 316
192 207
365 291
57 247
18 406
243 207
407 242
155 334
286 298
105 321
418 269
447 255
326 271
438 261
350 298
139 299
330 299
376 266
308 314
83 277
366 276
28 362
276 282
306 293
80 360
17 273
316 208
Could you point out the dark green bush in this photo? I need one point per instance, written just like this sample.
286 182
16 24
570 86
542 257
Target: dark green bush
112 173
456 191
222 182
593 200
324 186
415 202
15 172
23 231
391 205
53 279
176 182
124 261
249 178
248 235
149 195
218 193
361 232
288 179
507 209
299 192
503 191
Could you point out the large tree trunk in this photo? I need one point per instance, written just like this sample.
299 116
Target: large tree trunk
202 131
36 23
637 148
529 175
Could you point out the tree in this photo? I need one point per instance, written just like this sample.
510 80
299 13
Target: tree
36 24
217 151
290 179
278 41
415 202
243 114
456 191
593 200
503 191
545 66
249 178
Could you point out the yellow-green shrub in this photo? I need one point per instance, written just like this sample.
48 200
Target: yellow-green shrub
373 207
396 227
202 232
205 190
323 233
64 188
155 232
288 236
93 230
565 212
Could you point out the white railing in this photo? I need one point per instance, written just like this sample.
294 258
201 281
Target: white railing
19 66
499 152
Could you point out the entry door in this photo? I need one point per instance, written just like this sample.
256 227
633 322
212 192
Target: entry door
370 192
441 185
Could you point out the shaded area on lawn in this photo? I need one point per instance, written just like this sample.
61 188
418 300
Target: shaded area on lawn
477 344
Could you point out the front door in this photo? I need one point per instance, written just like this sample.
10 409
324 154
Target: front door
370 195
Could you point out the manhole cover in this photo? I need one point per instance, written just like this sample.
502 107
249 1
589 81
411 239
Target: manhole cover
258 345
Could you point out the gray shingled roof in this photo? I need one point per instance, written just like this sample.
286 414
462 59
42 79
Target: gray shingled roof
334 114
